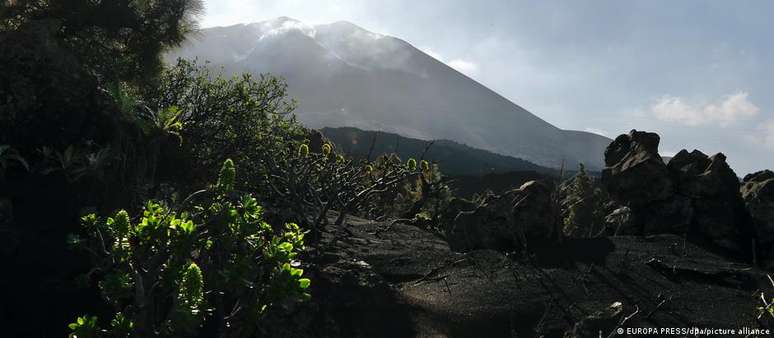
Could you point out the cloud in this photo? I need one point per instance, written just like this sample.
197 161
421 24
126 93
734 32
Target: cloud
731 109
281 26
463 66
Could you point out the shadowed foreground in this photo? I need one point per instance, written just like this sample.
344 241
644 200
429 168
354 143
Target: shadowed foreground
395 281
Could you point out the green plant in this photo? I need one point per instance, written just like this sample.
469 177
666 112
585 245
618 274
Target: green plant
765 311
303 150
162 122
418 195
84 327
215 264
76 162
582 204
411 164
326 149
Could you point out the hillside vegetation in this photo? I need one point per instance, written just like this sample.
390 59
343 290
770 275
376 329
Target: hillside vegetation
455 158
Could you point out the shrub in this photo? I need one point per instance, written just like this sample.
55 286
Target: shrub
582 206
421 196
248 119
214 264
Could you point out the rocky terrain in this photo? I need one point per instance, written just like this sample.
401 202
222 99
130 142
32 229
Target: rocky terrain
687 235
395 280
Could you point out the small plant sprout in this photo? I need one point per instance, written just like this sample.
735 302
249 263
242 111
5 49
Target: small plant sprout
190 298
303 150
425 166
412 164
226 176
326 149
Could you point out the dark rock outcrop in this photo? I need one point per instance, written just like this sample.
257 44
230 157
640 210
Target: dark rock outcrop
694 194
316 141
758 194
533 212
713 189
507 221
635 172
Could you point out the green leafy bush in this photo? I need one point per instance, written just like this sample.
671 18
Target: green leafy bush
214 262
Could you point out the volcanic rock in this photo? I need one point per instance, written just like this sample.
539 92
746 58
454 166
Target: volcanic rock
694 195
385 279
713 189
507 221
635 172
758 194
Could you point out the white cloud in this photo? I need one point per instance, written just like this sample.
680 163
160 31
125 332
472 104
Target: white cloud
731 109
463 66
281 26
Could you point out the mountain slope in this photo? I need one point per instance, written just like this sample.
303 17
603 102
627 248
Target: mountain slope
453 158
344 75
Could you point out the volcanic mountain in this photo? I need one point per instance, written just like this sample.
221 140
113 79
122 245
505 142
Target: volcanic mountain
346 76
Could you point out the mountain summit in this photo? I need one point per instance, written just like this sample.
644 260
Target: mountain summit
344 75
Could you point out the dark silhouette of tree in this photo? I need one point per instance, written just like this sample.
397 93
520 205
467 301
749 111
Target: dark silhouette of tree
118 40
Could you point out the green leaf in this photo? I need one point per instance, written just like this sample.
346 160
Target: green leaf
304 283
285 246
296 272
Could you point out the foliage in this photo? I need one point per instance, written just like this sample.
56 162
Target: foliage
84 327
73 71
582 204
118 40
421 196
214 264
435 197
248 119
242 118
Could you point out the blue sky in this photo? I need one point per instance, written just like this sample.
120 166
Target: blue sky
697 72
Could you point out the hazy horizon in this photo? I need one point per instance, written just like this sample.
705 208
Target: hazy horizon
603 67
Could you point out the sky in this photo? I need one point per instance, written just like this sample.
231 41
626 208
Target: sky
699 73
